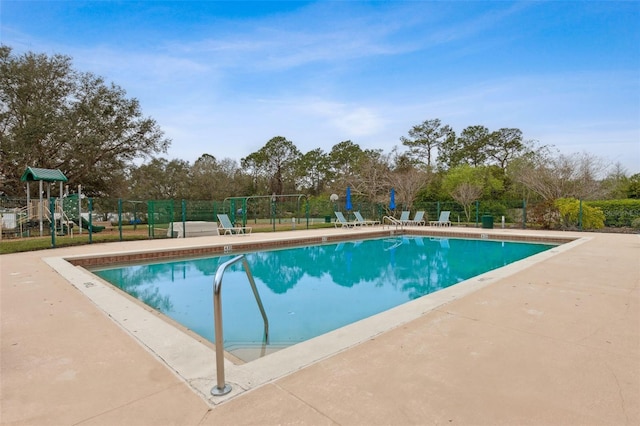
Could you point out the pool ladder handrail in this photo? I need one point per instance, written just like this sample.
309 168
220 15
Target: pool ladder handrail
387 221
221 388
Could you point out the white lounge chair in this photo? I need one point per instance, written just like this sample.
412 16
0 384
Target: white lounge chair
362 221
343 222
443 220
404 217
418 219
229 229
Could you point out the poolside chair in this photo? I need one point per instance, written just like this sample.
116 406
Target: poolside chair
229 229
418 219
404 217
443 220
362 221
343 222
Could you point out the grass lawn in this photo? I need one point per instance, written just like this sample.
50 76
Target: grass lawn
16 245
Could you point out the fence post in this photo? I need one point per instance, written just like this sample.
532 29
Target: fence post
90 220
477 211
273 211
244 211
580 216
120 217
524 214
151 219
232 210
184 217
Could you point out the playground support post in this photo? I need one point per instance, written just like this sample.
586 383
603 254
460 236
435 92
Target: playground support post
40 207
79 209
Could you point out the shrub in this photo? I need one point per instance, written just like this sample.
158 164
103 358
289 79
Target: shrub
543 214
618 213
569 208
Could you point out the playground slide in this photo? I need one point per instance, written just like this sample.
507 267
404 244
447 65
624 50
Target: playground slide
85 225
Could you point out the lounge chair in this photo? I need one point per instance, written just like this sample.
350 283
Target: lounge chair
443 220
362 221
404 217
418 219
229 229
343 222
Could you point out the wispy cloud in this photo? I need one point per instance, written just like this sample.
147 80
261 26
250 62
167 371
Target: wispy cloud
320 73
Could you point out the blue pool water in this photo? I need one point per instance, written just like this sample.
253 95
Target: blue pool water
308 291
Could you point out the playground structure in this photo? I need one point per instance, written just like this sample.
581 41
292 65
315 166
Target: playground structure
56 215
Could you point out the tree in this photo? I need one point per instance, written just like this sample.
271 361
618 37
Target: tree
633 188
52 116
466 194
560 176
467 184
371 177
407 179
161 179
504 145
214 180
314 169
616 183
425 137
277 162
469 148
344 158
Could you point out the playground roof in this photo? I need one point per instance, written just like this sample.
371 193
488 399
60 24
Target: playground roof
47 175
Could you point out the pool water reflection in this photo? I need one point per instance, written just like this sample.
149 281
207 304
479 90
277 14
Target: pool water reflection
308 291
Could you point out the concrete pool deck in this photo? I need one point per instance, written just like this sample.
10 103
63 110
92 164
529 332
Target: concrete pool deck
556 341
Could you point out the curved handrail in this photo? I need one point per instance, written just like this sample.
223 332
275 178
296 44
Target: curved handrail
392 221
221 387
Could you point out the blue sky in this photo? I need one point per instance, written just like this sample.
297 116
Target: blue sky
225 77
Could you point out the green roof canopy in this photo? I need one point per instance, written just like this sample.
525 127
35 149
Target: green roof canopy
47 175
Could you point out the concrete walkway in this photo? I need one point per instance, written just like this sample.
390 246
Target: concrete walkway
553 343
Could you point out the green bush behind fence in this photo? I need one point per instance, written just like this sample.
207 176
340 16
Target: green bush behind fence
159 215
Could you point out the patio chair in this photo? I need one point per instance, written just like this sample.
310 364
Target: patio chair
362 221
443 220
229 229
418 219
404 217
343 222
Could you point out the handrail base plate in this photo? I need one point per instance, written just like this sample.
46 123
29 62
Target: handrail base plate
216 391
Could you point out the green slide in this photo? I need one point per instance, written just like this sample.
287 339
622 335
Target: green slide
85 225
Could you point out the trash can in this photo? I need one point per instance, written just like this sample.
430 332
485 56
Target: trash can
327 219
487 221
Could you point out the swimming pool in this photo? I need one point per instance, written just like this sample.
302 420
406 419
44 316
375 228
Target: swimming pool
308 291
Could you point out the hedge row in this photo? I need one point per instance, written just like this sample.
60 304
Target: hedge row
618 213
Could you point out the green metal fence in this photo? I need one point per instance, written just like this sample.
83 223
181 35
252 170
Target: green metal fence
162 218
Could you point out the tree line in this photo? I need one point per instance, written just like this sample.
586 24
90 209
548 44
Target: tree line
52 116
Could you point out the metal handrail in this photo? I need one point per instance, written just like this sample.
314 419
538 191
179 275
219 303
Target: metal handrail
221 387
392 221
